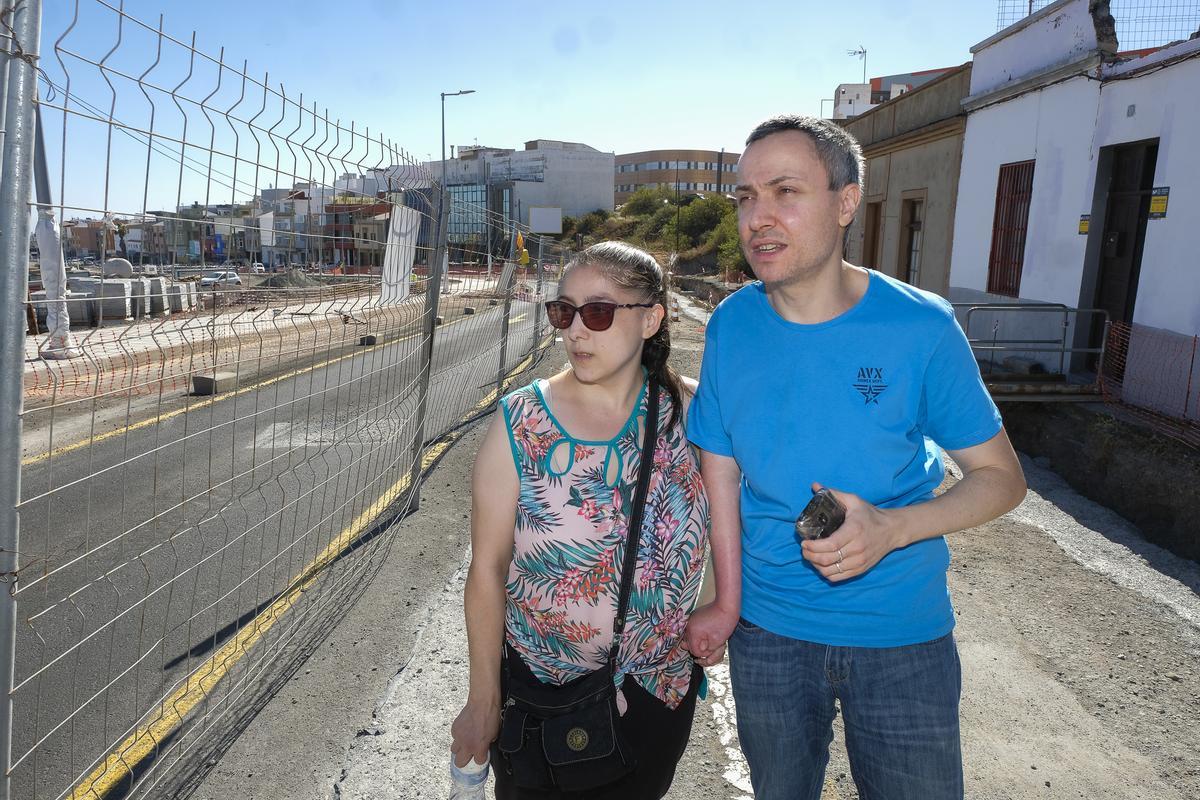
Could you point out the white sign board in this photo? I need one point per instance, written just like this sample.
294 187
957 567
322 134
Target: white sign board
545 219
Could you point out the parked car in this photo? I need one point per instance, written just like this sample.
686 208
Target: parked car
257 268
220 279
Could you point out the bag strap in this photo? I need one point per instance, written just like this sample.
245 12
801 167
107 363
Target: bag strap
635 521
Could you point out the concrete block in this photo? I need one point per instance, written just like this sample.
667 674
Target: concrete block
138 297
158 299
213 382
175 298
367 340
468 310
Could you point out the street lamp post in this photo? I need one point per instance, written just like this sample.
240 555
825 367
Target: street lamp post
432 290
445 188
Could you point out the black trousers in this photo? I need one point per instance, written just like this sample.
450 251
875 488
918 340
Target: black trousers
657 734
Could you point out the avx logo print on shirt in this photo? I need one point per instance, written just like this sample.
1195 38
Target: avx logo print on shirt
870 383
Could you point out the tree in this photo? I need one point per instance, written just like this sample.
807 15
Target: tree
730 258
646 201
698 218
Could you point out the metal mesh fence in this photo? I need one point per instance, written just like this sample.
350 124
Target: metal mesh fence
213 455
1141 24
1155 375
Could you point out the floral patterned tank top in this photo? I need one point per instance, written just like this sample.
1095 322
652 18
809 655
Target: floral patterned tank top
572 517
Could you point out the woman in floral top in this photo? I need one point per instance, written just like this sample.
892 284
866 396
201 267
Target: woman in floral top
552 489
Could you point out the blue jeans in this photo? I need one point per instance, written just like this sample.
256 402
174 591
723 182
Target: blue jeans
899 705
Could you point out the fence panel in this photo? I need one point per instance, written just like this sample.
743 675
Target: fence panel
214 454
1155 375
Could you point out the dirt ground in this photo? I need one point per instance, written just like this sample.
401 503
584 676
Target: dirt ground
1079 644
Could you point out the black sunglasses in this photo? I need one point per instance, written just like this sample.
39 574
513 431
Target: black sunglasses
596 316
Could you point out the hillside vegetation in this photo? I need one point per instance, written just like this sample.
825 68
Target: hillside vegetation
702 229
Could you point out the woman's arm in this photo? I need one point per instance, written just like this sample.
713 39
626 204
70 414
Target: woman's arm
711 625
495 488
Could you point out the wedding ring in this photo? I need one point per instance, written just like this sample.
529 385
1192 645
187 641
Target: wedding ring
839 566
839 555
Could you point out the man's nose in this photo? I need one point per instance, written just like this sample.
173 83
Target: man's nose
760 215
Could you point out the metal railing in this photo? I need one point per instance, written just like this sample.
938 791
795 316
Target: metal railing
1058 345
198 480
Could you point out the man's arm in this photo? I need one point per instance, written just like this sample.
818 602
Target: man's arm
711 625
495 488
992 484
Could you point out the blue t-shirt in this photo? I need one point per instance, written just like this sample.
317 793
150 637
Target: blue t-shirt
859 403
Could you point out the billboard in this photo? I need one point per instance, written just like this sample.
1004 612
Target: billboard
545 219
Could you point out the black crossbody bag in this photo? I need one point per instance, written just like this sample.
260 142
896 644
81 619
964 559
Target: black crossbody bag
569 737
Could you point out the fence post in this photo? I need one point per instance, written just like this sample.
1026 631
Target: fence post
537 302
506 286
433 291
5 48
15 192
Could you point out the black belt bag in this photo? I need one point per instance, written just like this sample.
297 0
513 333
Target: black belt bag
569 737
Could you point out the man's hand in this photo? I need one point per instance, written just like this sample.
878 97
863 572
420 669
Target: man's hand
707 631
867 535
473 731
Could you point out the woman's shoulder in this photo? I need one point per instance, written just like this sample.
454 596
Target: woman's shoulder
519 399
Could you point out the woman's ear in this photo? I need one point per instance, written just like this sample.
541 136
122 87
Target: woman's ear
653 321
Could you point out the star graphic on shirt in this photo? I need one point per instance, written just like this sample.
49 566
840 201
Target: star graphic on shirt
871 393
870 384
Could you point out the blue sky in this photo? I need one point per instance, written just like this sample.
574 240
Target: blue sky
620 76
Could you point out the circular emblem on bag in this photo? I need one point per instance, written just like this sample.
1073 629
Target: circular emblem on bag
577 739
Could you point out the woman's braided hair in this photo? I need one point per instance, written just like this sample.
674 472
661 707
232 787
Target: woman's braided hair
636 270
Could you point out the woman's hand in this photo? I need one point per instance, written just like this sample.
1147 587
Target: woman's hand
473 731
707 631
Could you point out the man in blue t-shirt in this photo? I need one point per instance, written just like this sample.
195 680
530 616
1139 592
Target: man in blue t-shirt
824 374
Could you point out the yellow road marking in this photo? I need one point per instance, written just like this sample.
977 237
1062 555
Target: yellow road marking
142 742
58 451
518 318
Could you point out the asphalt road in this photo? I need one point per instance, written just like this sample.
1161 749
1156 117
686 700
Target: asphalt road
145 552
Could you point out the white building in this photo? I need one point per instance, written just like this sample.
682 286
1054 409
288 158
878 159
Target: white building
1080 185
851 99
574 177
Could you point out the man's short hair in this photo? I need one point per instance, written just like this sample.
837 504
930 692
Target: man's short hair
838 151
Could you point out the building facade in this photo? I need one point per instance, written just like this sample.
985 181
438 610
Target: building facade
1080 186
912 146
852 99
500 185
687 170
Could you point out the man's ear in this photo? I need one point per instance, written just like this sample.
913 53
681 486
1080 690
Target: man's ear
848 199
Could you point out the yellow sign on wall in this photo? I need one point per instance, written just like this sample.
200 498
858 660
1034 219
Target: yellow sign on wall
1158 201
1084 223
